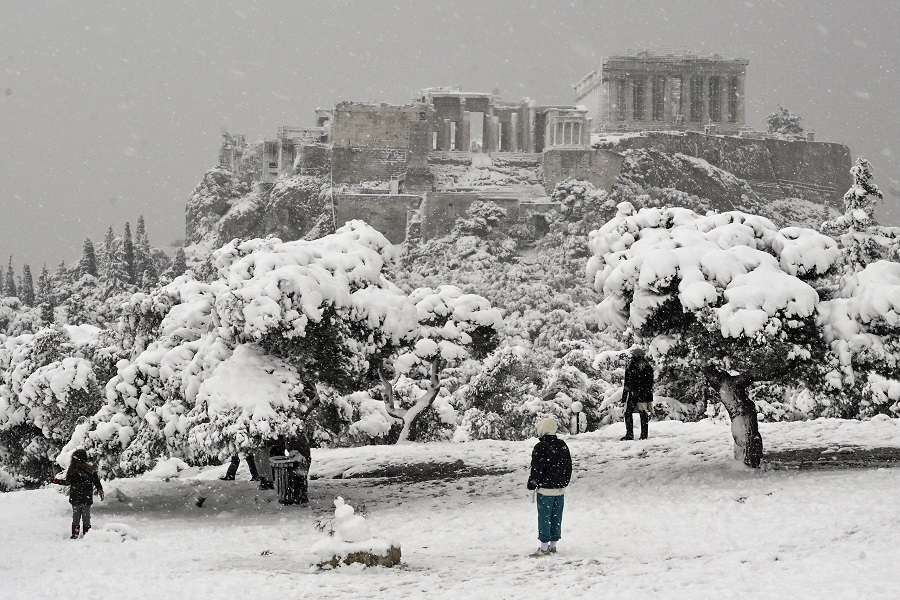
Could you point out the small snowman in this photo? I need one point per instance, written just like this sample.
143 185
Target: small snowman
352 542
348 526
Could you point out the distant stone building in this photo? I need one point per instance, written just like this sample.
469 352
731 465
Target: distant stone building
231 152
418 167
665 90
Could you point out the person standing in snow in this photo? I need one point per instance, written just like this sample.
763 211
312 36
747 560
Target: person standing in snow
638 393
235 463
551 470
82 478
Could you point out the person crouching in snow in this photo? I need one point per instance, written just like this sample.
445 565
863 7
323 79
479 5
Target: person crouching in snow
551 470
82 478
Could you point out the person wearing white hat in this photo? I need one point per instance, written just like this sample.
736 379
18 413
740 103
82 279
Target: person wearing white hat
551 470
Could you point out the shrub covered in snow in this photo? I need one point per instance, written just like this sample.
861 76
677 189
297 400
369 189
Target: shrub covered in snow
285 330
51 383
725 295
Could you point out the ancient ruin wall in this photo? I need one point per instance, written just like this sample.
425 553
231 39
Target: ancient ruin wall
600 167
386 213
440 210
817 171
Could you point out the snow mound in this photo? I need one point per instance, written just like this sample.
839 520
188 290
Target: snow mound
111 533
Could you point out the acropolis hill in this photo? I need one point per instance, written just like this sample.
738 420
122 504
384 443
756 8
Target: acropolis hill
427 161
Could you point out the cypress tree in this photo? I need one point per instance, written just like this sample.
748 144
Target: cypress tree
179 264
128 254
48 317
10 289
45 288
26 290
88 263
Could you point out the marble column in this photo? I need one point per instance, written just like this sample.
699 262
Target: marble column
494 128
461 132
444 138
648 99
668 99
686 97
740 93
465 131
704 110
514 132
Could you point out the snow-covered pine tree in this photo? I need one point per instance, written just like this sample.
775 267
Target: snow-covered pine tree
453 326
229 364
26 290
114 278
10 282
48 386
179 264
88 263
862 240
722 296
783 121
44 292
128 255
861 307
144 265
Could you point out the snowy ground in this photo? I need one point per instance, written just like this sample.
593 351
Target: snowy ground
667 518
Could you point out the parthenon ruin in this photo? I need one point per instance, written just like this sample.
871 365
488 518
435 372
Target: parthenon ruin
665 90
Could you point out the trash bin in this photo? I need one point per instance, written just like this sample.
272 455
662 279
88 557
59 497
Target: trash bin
290 480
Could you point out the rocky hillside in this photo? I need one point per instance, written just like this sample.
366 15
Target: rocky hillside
792 183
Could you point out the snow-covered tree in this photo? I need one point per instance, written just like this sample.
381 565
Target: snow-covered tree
44 291
114 279
783 121
49 384
452 326
10 282
88 263
128 260
26 289
283 330
862 239
179 264
860 314
723 295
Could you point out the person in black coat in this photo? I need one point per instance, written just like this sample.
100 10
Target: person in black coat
638 393
82 478
551 470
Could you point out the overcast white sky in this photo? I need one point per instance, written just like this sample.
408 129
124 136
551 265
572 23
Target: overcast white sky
113 109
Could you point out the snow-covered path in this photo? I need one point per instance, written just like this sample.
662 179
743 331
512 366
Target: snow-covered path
666 518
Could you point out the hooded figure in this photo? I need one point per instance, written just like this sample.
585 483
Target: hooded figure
551 470
82 479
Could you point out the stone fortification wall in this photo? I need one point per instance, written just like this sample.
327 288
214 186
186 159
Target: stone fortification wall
355 165
600 167
313 159
440 210
816 171
386 213
373 125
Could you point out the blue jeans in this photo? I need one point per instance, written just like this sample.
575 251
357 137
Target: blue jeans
550 510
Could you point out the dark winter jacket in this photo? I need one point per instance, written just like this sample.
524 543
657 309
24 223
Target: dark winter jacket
81 479
551 464
638 381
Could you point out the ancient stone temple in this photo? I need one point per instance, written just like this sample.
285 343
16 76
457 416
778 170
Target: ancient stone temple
665 90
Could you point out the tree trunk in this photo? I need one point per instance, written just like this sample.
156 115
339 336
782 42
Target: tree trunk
410 416
748 446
